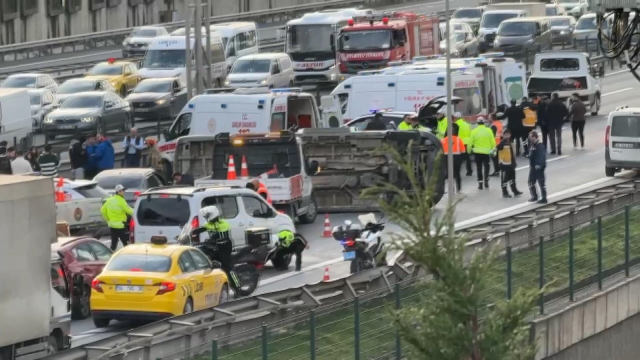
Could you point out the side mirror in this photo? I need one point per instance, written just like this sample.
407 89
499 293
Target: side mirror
166 133
274 70
108 105
601 71
313 167
55 106
332 40
401 42
216 265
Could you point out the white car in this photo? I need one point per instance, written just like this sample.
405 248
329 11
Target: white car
81 189
138 41
42 102
272 70
622 140
30 81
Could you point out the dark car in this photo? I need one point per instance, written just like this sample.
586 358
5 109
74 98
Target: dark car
84 256
155 99
523 36
135 181
89 112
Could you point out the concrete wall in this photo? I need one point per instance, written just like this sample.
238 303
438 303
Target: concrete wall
587 329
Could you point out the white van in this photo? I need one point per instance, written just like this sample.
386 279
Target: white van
15 118
239 39
622 140
165 58
242 111
271 70
490 23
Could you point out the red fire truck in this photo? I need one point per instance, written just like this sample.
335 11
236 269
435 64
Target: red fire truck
370 42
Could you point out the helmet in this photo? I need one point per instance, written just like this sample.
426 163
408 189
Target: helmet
119 188
480 120
150 141
209 212
457 114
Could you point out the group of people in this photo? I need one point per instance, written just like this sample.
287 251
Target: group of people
90 155
16 162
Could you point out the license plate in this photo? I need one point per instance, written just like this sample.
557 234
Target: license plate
158 239
142 110
350 255
66 127
128 288
624 145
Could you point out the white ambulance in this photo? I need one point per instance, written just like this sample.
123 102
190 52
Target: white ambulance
241 111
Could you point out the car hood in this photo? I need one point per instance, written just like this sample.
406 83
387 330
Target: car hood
62 97
65 113
582 34
160 73
560 28
484 31
247 77
512 40
103 77
145 96
140 40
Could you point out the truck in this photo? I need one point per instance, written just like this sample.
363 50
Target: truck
276 158
35 309
531 9
16 125
372 41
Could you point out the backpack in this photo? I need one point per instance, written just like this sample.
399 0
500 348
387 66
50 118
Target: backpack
530 117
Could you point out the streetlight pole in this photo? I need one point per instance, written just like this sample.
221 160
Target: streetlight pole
449 115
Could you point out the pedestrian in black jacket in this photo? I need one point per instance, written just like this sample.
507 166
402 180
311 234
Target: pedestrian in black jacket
541 111
376 124
537 166
77 158
514 116
556 113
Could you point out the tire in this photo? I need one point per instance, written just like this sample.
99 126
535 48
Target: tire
312 212
609 171
128 124
101 323
52 345
188 307
357 265
82 307
282 262
248 278
224 294
597 106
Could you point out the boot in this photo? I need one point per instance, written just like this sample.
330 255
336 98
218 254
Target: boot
506 195
479 185
486 183
542 201
517 193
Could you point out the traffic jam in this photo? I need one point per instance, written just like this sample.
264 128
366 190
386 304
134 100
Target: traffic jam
215 202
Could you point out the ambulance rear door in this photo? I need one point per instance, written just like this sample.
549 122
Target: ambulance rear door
466 87
239 114
513 81
279 114
369 93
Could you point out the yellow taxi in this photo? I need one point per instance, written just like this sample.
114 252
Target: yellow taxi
123 75
155 281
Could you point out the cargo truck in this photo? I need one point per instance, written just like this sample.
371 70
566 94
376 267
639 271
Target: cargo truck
35 311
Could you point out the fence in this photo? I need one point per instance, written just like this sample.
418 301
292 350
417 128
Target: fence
565 261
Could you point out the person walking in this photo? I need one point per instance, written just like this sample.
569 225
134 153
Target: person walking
115 211
514 116
77 158
464 132
5 162
496 128
20 165
537 166
541 113
528 122
104 155
482 143
32 158
457 150
507 160
577 113
133 144
556 113
48 162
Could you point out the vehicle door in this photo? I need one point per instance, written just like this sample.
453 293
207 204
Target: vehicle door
179 96
286 72
514 81
230 212
190 280
130 78
109 113
276 74
121 112
471 43
624 138
257 212
209 291
279 119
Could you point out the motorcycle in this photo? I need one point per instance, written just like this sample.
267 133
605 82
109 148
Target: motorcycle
244 278
363 247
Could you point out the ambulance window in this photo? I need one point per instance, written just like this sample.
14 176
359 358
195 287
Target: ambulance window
217 53
182 126
343 98
277 121
471 104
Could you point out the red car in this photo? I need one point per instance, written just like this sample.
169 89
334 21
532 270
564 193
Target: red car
87 257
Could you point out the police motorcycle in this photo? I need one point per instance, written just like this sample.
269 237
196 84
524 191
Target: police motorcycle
363 247
243 277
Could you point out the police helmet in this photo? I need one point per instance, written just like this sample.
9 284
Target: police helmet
209 212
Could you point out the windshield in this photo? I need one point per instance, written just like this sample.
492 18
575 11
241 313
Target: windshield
365 40
143 33
551 11
82 102
153 87
567 1
163 211
72 87
261 158
309 38
35 99
92 191
517 29
550 85
251 66
164 59
20 82
106 69
467 14
492 21
110 181
560 22
142 263
588 24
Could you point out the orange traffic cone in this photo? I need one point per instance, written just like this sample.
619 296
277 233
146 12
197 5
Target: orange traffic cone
59 193
326 274
244 170
327 227
231 169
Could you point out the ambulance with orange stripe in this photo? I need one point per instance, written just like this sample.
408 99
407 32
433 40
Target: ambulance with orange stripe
241 111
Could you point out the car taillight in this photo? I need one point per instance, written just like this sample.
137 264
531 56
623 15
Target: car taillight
135 195
606 136
132 226
135 269
165 287
195 223
97 285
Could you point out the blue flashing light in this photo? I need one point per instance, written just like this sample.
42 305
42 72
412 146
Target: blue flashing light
374 111
261 102
192 106
285 90
347 86
224 106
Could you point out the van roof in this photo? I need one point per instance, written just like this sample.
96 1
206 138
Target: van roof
331 16
525 19
178 42
236 24
505 11
191 190
256 94
263 56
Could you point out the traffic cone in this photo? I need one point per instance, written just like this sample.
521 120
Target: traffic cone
231 169
327 227
244 170
325 277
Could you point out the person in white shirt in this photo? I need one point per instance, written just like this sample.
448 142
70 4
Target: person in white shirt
133 146
20 165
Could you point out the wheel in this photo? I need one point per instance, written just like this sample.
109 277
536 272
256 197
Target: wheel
188 307
224 294
597 106
128 124
82 307
247 279
312 213
123 91
52 345
357 265
281 262
101 323
609 171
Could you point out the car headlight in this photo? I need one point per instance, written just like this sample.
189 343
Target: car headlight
48 120
87 119
227 82
161 101
264 82
564 32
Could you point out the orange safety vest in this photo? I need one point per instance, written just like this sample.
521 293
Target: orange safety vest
262 190
458 145
530 117
498 125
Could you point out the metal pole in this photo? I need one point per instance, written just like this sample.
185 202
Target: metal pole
187 31
627 247
541 273
599 253
398 341
449 119
207 25
509 279
198 46
571 263
356 328
312 334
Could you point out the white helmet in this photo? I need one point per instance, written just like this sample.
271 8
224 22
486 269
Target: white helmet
457 114
209 212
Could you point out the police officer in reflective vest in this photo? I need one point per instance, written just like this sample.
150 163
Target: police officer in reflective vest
529 122
410 122
482 144
458 149
496 127
115 211
292 244
507 160
464 132
218 231
442 127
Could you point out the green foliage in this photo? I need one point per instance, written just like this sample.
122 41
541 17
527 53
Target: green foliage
453 320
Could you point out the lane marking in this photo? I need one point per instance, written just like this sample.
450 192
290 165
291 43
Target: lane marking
617 72
548 161
616 92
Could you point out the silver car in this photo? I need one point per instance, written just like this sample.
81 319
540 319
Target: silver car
138 41
42 102
463 44
30 81
562 29
585 34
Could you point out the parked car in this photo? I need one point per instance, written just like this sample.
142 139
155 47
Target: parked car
74 86
89 112
82 189
85 256
575 8
135 181
585 33
42 102
31 81
138 41
454 26
158 98
272 70
562 28
521 35
622 140
463 44
471 16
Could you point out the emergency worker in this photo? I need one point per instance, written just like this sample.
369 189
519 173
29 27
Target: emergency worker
458 149
537 166
507 160
441 129
514 116
292 244
115 211
218 231
496 128
482 143
528 123
259 187
410 122
464 132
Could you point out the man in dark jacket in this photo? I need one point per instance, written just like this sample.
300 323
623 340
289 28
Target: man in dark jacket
5 162
376 123
556 113
182 179
508 164
537 166
77 158
577 113
104 155
91 162
514 116
541 111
